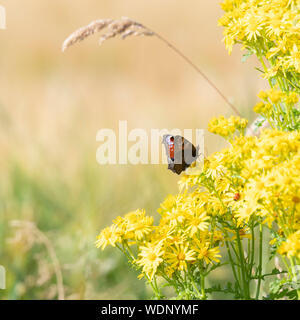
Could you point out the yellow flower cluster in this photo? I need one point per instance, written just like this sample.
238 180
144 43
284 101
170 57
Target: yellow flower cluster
181 238
256 179
291 247
266 28
128 229
227 127
253 182
179 246
271 31
277 107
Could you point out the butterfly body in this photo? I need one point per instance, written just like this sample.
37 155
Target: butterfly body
180 153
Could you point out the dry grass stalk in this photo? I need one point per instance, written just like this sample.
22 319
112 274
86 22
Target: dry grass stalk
29 228
126 27
123 27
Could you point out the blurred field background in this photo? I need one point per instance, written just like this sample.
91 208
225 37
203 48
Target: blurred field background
53 104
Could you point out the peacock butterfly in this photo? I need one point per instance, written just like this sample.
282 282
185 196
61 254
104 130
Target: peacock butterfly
180 152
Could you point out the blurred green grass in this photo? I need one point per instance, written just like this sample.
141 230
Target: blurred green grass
71 216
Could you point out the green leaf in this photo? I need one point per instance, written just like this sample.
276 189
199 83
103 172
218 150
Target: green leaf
246 56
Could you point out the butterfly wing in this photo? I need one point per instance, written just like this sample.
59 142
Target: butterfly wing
189 152
168 142
180 153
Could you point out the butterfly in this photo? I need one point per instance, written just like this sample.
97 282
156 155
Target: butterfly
180 152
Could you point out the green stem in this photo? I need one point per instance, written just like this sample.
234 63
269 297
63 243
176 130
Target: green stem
288 269
195 287
242 263
260 261
203 295
123 251
130 252
265 69
239 264
294 275
252 249
232 264
154 287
